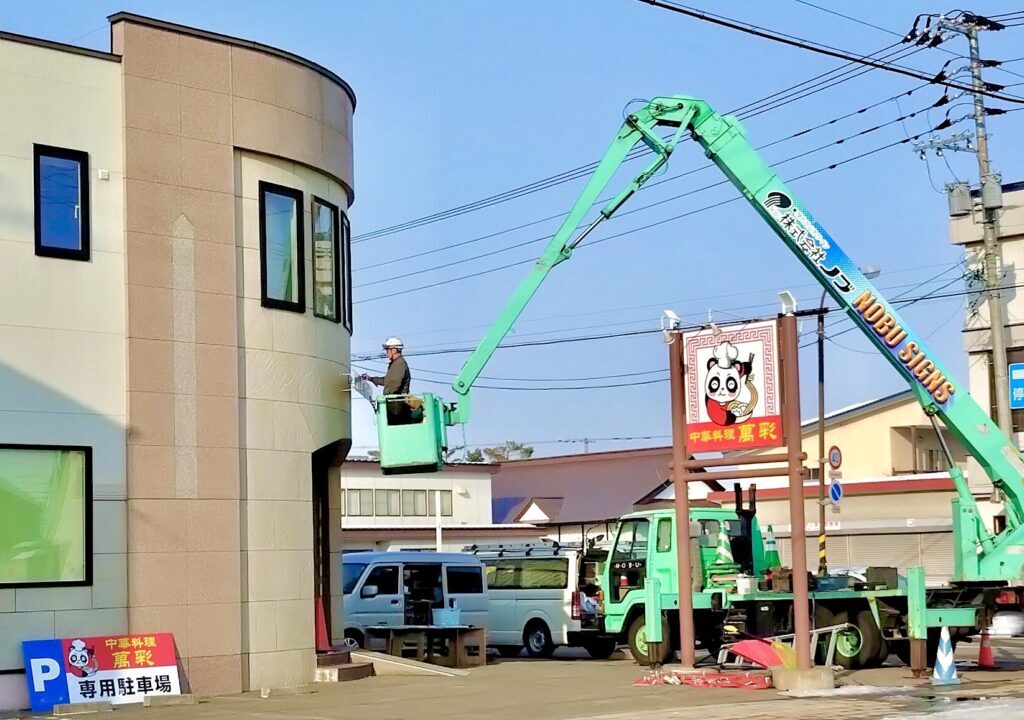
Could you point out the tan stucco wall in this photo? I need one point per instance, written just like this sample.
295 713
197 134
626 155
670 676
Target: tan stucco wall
204 496
868 443
293 403
62 357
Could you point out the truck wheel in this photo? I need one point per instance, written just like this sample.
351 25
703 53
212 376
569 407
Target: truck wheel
600 648
638 641
857 646
537 639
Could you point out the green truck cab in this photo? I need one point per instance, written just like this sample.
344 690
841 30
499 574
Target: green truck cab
644 548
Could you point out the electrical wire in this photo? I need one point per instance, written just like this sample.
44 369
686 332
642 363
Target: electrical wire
488 271
818 48
701 168
624 334
781 97
667 303
909 301
446 265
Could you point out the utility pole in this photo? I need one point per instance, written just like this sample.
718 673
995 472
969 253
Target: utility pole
970 25
993 263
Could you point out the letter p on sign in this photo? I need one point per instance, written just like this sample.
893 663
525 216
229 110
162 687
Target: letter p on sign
43 670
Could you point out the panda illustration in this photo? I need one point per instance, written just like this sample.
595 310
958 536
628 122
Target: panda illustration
82 659
726 379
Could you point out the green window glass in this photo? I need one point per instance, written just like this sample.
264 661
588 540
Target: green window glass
45 494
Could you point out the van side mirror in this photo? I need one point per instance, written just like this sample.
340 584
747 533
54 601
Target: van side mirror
368 591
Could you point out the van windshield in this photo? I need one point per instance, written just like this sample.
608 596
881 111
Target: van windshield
350 574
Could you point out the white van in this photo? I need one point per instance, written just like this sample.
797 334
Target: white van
543 595
405 587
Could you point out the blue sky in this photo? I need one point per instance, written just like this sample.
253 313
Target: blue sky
460 100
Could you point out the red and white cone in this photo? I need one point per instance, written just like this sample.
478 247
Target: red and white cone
985 657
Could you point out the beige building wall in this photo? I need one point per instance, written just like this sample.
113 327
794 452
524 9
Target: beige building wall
967 232
62 358
878 442
220 537
294 403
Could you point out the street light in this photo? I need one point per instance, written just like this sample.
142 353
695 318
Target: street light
870 272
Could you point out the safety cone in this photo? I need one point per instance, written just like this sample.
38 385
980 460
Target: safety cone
723 554
945 666
323 644
985 657
771 550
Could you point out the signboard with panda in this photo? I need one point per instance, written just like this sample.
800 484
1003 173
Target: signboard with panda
732 388
113 668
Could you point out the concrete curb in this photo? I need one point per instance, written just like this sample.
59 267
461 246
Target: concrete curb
167 700
84 708
392 665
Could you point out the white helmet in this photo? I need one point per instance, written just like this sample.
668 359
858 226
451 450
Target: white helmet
393 342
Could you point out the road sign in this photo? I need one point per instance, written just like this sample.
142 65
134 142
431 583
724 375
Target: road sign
1016 371
835 492
835 457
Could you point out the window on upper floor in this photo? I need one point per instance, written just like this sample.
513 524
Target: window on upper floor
446 502
282 260
359 503
346 271
387 503
61 202
326 277
46 533
414 503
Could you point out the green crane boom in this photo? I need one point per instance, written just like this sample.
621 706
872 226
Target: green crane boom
979 554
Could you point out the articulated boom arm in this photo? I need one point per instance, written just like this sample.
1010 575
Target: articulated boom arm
979 555
638 127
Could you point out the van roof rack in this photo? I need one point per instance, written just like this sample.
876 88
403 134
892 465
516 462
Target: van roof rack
544 547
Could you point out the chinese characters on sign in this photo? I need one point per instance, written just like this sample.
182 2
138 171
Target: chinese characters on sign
732 392
118 669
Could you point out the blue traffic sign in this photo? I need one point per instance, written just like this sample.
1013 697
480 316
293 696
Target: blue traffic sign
1016 371
835 491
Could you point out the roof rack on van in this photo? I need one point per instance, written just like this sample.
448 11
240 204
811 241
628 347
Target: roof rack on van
545 547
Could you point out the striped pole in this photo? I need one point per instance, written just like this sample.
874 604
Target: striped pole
822 563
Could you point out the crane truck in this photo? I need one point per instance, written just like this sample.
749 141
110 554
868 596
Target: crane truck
988 563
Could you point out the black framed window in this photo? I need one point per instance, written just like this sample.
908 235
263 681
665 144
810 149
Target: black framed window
282 259
61 202
46 534
326 276
346 271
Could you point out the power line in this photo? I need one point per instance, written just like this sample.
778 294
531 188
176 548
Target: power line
840 141
624 334
755 307
666 303
488 271
582 170
906 302
819 48
847 17
701 168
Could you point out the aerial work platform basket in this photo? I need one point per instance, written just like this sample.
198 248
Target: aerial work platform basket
412 432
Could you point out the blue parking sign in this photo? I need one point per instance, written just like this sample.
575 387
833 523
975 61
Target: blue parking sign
1016 372
45 673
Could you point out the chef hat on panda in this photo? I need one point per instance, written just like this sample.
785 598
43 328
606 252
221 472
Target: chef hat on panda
725 354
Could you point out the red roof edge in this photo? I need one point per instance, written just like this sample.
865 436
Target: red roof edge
881 487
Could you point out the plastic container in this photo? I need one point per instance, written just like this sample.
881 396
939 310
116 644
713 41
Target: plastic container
448 617
746 584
